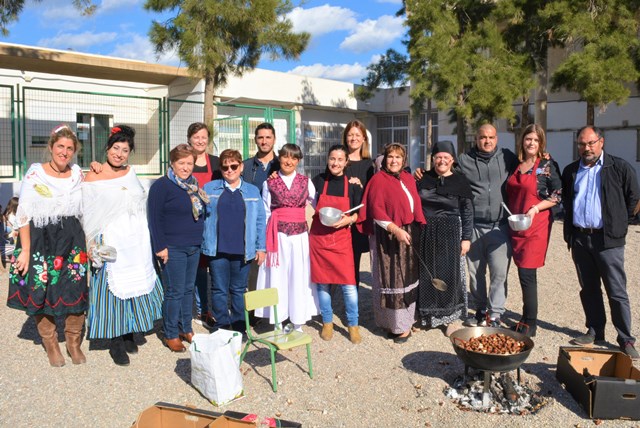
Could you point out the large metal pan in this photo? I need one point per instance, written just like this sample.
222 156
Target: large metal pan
490 362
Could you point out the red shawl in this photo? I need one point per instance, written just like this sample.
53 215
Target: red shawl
385 200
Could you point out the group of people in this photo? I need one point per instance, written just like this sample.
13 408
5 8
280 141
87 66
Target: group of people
241 225
599 193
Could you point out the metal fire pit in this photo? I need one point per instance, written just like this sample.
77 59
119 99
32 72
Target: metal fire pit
490 362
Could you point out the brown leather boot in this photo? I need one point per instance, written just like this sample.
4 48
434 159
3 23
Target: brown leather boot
354 334
47 329
73 336
327 331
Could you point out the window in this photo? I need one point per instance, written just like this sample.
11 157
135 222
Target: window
93 133
39 140
638 145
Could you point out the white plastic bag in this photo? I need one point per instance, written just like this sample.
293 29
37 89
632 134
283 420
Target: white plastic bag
215 366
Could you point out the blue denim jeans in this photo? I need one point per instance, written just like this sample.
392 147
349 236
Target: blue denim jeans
350 295
178 276
229 275
202 290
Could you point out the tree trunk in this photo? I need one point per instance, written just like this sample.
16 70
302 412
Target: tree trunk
542 91
461 129
590 114
210 110
524 114
429 142
413 149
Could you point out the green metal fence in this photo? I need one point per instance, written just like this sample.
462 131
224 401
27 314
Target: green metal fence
28 114
8 133
92 115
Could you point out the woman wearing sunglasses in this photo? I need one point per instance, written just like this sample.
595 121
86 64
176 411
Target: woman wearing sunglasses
234 236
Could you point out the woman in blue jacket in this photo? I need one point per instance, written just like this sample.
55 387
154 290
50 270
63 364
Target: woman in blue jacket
234 235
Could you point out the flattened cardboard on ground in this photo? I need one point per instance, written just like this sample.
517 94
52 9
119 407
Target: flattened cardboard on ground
166 415
604 382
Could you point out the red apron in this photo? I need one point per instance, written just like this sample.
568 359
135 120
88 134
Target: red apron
204 177
330 249
529 246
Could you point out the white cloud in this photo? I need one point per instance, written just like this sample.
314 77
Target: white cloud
344 72
61 13
322 19
374 34
140 48
109 5
77 41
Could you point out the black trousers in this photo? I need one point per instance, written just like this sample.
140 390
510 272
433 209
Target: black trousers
596 264
529 286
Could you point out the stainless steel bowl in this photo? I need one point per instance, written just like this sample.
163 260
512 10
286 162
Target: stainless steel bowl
519 222
329 216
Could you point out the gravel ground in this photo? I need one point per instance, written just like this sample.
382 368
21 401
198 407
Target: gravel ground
376 383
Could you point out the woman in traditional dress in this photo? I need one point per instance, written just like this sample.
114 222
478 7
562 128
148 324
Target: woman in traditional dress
48 276
447 206
359 170
206 168
234 236
533 188
393 216
125 295
330 246
287 268
176 222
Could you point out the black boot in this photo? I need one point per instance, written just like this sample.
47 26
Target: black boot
130 344
118 352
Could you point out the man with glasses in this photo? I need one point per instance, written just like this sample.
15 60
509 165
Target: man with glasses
600 195
256 171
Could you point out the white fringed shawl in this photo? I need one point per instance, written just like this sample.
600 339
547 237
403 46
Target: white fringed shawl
45 199
116 209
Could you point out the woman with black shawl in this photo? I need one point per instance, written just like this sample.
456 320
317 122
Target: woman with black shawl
447 205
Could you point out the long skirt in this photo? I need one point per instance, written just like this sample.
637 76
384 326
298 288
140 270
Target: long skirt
297 298
56 283
110 316
395 280
440 250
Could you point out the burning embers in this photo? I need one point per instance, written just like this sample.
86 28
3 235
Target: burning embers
502 394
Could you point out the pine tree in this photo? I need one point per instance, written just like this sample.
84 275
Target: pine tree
219 38
11 9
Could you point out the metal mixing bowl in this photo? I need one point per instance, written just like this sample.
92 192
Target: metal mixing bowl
329 216
519 222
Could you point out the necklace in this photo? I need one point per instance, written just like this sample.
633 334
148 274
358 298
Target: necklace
116 168
56 171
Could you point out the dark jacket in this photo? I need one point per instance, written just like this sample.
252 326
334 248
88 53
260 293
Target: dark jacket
619 196
488 179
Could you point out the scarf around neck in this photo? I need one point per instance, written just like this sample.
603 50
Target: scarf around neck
190 185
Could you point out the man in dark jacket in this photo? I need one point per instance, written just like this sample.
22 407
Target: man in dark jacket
487 168
600 195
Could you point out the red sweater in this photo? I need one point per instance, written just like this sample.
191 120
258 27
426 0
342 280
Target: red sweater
385 200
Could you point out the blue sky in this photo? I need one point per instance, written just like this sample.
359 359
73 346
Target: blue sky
346 35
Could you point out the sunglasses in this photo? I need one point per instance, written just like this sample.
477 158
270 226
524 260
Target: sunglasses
233 167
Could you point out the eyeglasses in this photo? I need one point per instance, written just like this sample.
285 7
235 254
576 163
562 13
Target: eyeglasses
233 167
589 144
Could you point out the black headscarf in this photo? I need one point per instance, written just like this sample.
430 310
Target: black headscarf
455 184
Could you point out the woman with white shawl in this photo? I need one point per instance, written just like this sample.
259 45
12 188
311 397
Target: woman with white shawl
47 277
125 294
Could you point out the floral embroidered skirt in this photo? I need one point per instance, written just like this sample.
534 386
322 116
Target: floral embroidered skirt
56 283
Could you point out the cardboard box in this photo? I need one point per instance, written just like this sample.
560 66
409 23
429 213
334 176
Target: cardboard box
604 382
166 415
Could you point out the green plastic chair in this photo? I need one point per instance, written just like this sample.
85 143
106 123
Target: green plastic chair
276 340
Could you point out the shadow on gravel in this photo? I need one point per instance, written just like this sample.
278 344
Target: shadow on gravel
445 366
183 370
550 387
511 318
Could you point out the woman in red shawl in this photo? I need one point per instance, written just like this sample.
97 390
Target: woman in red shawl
393 216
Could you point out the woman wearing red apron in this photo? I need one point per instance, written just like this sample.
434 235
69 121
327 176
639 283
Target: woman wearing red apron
533 189
330 247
